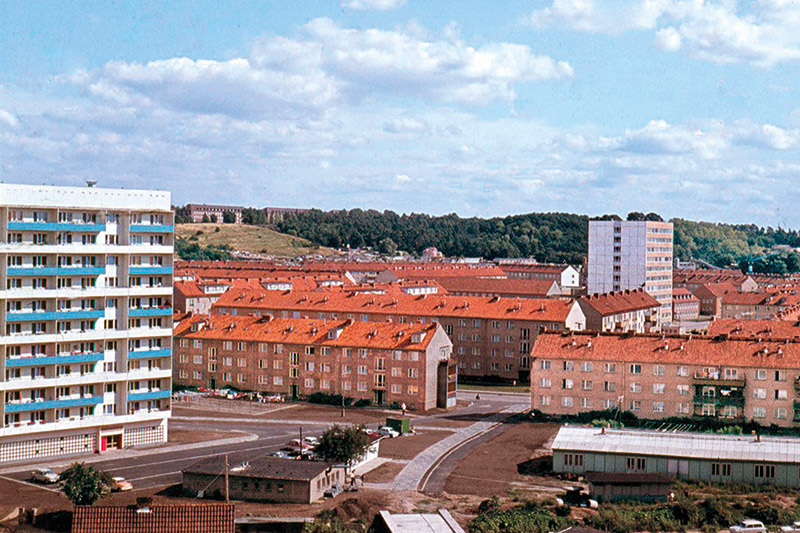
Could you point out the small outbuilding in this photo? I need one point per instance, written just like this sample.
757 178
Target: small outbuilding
439 522
268 479
610 486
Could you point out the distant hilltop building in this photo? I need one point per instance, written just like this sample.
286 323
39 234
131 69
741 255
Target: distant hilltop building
196 212
631 255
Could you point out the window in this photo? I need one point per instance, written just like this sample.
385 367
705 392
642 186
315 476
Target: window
635 405
764 471
587 403
636 464
635 387
780 413
609 386
544 383
573 459
683 371
586 366
780 394
761 374
610 368
780 375
568 365
759 412
544 364
721 469
658 407
760 394
566 384
635 369
586 384
567 401
544 400
658 388
658 370
683 390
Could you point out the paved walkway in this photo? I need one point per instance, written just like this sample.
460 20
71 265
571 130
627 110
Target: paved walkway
410 477
139 451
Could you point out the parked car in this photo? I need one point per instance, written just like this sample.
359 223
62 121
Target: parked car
44 475
120 484
386 431
313 441
334 491
279 453
794 528
749 526
295 444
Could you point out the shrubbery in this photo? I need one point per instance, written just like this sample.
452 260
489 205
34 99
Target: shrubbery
527 518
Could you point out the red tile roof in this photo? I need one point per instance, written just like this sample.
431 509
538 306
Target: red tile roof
616 302
543 268
522 287
669 349
683 295
733 327
195 518
716 289
433 305
352 334
188 289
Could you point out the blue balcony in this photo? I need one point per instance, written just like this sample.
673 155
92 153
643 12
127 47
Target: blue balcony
150 270
57 315
57 226
147 354
151 311
53 404
55 271
151 228
153 395
55 360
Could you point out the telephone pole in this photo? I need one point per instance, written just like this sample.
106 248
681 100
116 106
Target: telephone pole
227 485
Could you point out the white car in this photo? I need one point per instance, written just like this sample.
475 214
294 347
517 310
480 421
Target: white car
749 526
44 475
386 431
794 528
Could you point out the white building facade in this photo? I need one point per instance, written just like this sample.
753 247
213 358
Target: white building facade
632 255
86 319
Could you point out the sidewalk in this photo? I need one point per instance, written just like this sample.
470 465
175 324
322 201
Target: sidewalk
140 451
409 478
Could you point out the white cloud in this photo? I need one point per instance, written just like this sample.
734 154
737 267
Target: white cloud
403 178
380 5
405 125
720 31
8 119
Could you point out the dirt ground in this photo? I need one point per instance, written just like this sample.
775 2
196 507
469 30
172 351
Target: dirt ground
409 446
326 413
385 472
186 436
492 467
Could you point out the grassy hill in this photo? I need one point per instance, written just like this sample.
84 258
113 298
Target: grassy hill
255 239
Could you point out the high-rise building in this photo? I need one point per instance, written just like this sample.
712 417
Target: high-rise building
632 255
85 319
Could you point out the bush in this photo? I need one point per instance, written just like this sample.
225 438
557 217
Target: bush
328 399
521 519
362 403
491 504
562 510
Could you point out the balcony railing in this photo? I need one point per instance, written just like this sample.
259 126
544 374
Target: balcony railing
146 354
56 271
135 396
717 380
151 228
150 311
40 360
55 315
54 404
149 270
83 227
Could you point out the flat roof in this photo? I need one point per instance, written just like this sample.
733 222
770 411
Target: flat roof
679 444
44 196
440 522
263 467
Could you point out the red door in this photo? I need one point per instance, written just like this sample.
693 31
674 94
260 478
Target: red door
103 443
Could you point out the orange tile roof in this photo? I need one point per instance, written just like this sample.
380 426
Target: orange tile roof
532 287
543 268
717 289
188 289
433 305
208 518
735 327
669 349
353 334
683 295
616 302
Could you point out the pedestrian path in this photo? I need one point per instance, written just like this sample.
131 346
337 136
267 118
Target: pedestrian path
409 478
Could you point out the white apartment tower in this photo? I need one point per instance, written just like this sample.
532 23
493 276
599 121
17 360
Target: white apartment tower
86 319
631 255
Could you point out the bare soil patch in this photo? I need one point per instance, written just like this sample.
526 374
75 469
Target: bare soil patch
385 472
187 436
494 466
409 446
325 413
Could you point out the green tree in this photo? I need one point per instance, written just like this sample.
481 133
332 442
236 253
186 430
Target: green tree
387 246
254 217
653 217
228 217
213 218
342 444
635 216
206 218
84 485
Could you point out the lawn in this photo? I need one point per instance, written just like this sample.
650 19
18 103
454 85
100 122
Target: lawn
254 239
492 387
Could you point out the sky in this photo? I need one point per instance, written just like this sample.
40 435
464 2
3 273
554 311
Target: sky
688 108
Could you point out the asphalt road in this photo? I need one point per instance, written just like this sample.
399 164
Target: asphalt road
162 468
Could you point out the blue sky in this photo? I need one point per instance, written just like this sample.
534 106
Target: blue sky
684 107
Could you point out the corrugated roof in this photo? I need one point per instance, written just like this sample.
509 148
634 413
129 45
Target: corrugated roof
262 467
679 444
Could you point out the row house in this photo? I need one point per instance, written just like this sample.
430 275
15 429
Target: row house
506 288
657 376
381 362
567 277
710 296
760 305
196 212
685 305
692 279
197 297
492 337
628 310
